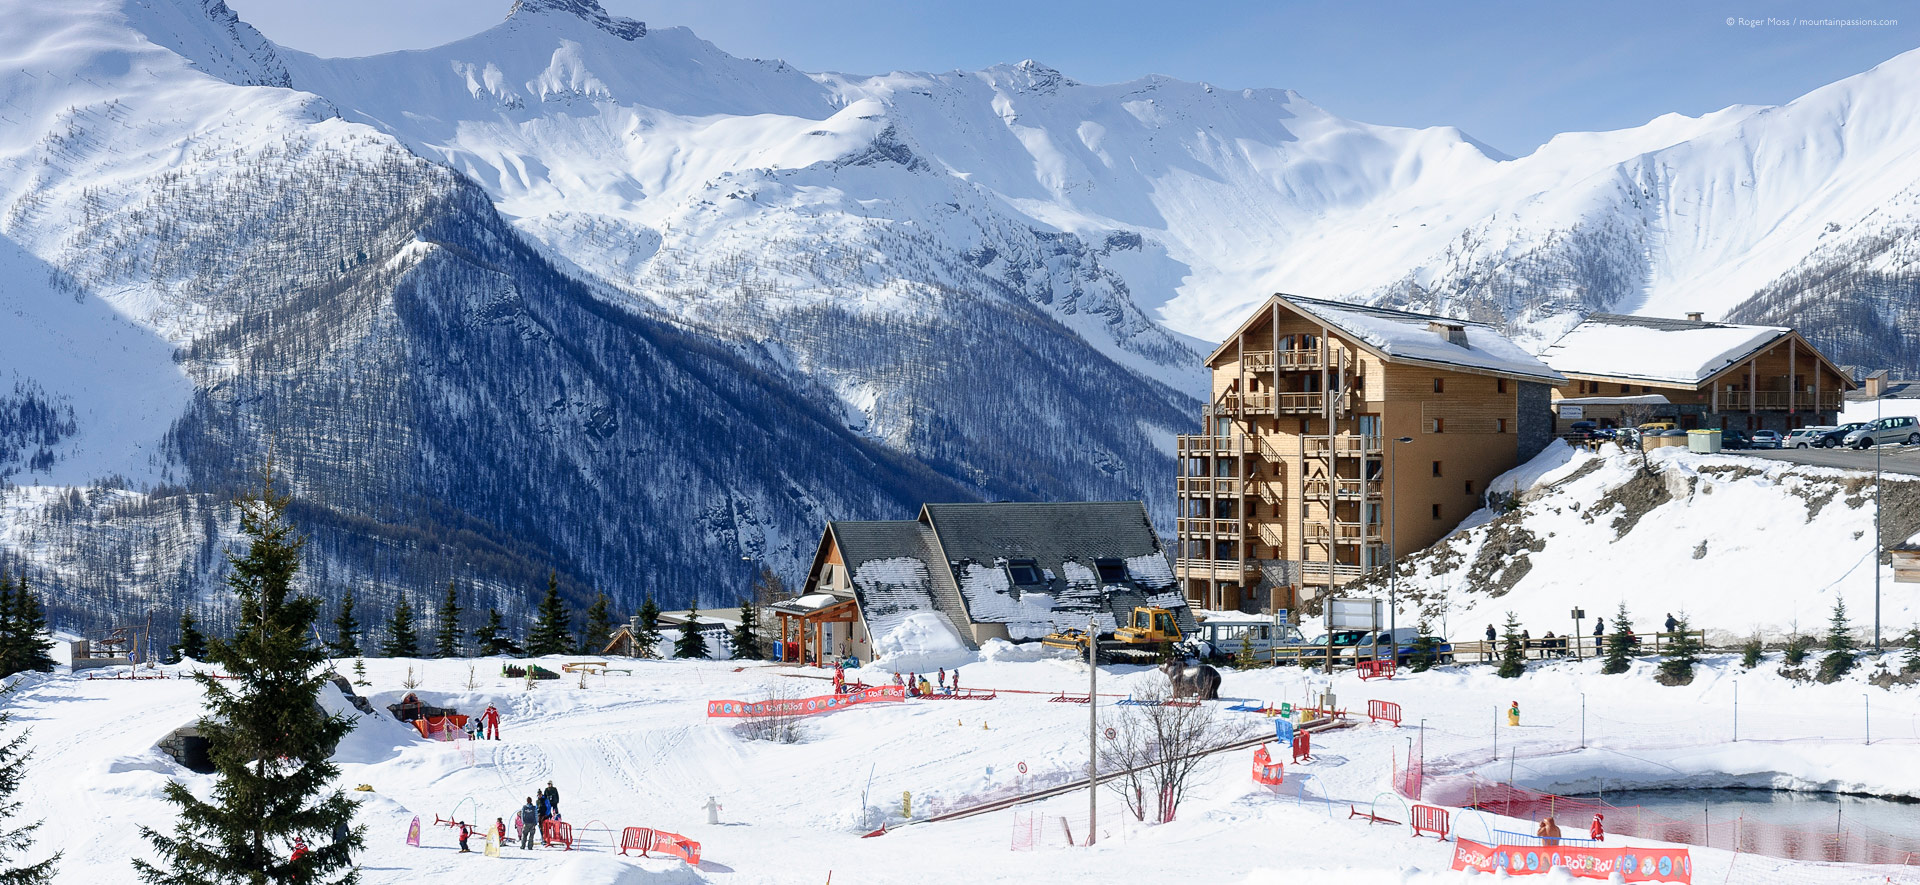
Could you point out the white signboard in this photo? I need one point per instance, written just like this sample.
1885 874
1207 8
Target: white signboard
1572 413
1353 614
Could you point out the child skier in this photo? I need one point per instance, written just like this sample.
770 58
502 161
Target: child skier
490 723
1513 714
466 831
1598 831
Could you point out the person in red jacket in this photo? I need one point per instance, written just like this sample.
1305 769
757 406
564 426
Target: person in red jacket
1599 829
490 723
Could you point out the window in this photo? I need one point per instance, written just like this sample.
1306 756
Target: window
1439 385
1626 388
1112 571
1500 425
1439 425
1436 468
1436 511
1025 572
1469 486
1499 385
1645 389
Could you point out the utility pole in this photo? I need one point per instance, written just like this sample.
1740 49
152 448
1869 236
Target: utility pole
1879 409
1093 726
1393 563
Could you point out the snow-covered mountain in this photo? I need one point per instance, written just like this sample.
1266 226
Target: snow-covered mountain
582 295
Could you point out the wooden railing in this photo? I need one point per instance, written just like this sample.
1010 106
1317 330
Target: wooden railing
1207 444
1343 488
1211 485
1217 569
1344 445
1209 527
1779 400
1288 361
1273 535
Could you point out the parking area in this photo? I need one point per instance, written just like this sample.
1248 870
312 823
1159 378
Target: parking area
1893 459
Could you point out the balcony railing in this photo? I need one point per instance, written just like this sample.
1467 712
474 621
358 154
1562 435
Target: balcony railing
1287 361
1215 569
1340 570
1344 446
1228 527
1778 400
1321 531
1346 489
1201 486
1206 444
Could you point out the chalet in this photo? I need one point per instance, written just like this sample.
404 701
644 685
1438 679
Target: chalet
1294 487
961 574
1711 375
717 626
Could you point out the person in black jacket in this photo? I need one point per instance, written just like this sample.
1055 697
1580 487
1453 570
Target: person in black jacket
1672 623
529 820
553 799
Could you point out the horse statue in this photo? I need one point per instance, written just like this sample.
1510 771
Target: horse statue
1200 681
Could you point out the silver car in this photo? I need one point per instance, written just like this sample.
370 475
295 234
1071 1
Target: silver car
1893 429
1804 437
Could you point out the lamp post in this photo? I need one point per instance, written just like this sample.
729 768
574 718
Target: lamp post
1879 408
1393 565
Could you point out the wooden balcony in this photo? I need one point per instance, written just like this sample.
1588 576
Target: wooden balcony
1195 444
1345 445
1322 531
1205 486
1341 571
1287 360
1215 569
1345 489
1779 400
1216 527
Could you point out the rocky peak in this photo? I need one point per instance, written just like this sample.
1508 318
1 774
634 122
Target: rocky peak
588 10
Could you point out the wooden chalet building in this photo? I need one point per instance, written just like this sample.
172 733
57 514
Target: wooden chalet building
1287 491
1711 375
961 574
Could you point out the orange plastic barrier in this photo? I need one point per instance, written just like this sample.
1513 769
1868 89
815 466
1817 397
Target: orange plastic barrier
1429 819
635 839
805 706
557 831
646 840
1302 745
1384 711
442 728
1377 669
1266 772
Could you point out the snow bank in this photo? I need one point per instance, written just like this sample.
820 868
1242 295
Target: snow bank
919 642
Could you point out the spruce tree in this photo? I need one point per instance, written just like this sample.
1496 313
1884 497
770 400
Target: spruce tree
401 641
1677 667
553 630
14 759
267 736
192 645
446 636
1513 654
599 627
1839 645
1619 657
1243 659
1750 652
1911 663
491 637
346 629
9 644
1425 650
23 632
692 643
649 636
746 637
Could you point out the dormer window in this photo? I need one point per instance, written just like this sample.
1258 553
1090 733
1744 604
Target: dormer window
1112 571
1025 573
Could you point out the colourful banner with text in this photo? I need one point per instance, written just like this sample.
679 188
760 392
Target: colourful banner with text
1633 864
805 706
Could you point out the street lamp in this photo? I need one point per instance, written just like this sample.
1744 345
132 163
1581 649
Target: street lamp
1879 409
1393 529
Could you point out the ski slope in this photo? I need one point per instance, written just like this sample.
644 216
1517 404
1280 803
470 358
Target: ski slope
638 751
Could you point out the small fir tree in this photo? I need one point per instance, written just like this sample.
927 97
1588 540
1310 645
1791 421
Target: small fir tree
1911 662
192 645
1425 650
692 643
1682 653
491 637
360 672
346 630
23 630
14 759
1798 646
1750 652
746 637
1619 656
267 735
1839 645
401 641
649 636
599 627
446 634
1243 659
1513 654
553 630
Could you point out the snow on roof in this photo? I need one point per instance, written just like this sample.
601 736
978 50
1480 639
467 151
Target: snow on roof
1402 335
896 599
1645 399
1656 350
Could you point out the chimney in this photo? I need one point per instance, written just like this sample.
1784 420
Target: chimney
1876 384
1696 316
1455 333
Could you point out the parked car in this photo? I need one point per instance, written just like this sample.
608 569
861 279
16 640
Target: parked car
1803 437
1656 427
1580 430
1894 429
1763 439
1832 438
1734 439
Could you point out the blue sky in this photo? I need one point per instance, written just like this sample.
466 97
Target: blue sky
1509 73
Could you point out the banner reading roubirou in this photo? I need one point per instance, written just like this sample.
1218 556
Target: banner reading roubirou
805 706
1633 864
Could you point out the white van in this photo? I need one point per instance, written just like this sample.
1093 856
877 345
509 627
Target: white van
1217 637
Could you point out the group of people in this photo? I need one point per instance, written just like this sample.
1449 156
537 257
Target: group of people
485 726
1549 832
918 686
540 808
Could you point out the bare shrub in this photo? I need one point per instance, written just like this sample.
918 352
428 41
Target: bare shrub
1157 749
781 723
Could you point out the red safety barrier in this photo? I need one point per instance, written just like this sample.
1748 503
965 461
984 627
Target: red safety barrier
805 706
1636 864
1267 772
635 839
1429 819
557 831
1384 711
1377 669
1302 745
442 728
645 840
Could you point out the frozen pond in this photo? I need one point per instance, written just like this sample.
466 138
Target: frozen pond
1814 812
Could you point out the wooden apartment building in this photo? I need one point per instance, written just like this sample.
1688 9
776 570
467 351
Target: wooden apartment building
1724 375
1291 489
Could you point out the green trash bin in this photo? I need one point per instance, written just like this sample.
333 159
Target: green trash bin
1705 442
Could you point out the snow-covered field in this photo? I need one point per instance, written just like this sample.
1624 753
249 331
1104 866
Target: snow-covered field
638 750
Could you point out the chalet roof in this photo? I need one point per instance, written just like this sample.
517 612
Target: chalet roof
1657 350
1407 337
893 567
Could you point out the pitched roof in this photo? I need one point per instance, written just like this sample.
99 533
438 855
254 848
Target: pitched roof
1656 349
895 572
1407 337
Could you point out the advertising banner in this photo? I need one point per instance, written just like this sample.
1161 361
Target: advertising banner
805 706
1633 864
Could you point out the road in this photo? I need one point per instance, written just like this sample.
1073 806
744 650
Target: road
1893 459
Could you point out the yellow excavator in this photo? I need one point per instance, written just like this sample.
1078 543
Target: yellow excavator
1139 642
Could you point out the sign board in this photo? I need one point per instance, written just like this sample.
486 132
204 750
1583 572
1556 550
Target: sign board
1631 864
1280 618
1572 413
1353 614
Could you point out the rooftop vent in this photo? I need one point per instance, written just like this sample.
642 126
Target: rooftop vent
1696 316
1454 332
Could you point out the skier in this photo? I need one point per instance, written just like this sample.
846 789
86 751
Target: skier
839 680
956 680
500 831
490 723
1513 714
528 820
913 685
1599 829
926 688
943 680
897 680
299 851
553 800
466 831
